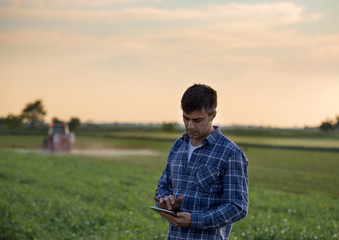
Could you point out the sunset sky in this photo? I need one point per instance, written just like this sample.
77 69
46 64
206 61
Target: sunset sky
273 63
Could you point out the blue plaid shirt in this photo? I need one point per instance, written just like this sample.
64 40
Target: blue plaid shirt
214 182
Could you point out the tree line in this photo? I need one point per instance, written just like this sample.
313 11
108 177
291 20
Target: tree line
33 114
330 124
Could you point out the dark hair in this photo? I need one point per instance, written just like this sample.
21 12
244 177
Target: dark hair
197 97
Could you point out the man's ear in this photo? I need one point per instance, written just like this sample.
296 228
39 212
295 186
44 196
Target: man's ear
213 115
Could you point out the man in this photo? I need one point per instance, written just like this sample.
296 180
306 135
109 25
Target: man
205 180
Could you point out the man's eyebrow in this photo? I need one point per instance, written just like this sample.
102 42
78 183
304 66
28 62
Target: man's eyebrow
198 118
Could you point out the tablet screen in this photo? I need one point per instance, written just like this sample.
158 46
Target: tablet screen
163 210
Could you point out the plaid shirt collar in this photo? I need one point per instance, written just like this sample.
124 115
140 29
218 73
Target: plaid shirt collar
211 139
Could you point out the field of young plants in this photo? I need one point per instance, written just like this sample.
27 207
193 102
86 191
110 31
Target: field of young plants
294 194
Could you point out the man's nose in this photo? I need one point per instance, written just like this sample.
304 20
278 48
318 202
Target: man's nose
190 125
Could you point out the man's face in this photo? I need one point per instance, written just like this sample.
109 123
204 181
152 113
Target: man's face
198 124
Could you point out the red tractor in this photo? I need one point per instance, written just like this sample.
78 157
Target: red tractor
59 138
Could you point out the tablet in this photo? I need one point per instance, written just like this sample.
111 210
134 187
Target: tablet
162 210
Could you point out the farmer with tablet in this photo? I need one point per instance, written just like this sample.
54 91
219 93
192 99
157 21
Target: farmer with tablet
205 181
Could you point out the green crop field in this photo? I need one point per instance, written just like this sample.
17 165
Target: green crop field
293 193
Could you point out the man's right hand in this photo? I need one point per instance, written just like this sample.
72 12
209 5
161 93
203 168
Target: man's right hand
169 202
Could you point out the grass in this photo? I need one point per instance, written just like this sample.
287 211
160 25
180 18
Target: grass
69 197
20 141
288 141
306 172
106 137
293 194
121 143
64 197
279 215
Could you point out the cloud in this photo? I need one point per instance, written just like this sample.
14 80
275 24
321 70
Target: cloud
66 3
216 27
326 46
257 48
268 14
260 36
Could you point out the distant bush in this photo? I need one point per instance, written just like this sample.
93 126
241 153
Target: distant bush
326 126
169 127
14 122
330 125
74 123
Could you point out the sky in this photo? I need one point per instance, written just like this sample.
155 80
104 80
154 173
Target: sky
272 63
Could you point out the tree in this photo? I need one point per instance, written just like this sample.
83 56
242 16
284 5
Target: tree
336 125
326 126
14 122
56 120
2 120
169 127
34 113
74 123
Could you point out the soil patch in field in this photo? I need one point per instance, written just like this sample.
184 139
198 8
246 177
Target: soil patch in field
96 152
113 152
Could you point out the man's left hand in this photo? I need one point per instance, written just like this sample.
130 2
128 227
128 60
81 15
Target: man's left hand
182 219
